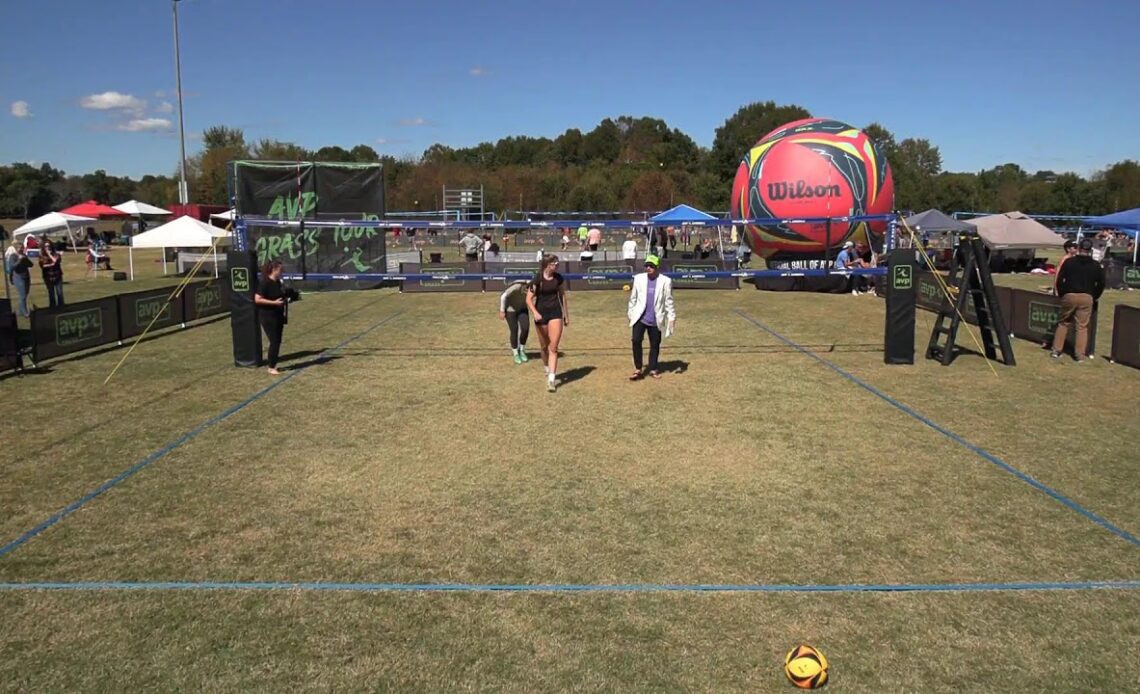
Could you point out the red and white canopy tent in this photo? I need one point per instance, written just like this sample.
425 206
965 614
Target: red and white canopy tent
94 209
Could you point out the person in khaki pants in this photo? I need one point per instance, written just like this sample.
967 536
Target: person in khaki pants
1080 282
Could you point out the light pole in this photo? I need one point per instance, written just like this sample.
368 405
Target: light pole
183 191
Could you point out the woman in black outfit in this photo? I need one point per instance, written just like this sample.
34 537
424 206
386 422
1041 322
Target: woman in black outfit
270 302
546 301
51 265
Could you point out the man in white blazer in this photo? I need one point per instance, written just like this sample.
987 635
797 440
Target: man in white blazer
650 311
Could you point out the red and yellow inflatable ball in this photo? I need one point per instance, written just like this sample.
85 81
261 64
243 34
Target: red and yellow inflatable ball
812 168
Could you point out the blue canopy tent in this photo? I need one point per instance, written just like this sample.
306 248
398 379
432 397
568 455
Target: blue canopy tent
691 216
1127 221
682 214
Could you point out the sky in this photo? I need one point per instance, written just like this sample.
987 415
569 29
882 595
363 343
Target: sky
90 85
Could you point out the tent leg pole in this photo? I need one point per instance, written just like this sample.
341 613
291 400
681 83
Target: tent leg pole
164 261
131 259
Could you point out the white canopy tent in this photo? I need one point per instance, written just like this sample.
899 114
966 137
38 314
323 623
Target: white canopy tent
184 232
227 216
52 221
140 209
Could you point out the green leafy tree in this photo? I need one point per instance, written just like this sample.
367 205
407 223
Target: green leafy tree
332 153
737 135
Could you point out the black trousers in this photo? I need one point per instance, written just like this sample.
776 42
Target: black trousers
518 322
274 325
639 330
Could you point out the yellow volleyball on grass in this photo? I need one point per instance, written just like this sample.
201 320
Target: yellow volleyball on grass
806 667
625 287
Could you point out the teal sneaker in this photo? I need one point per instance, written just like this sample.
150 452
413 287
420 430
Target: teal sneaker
522 356
518 359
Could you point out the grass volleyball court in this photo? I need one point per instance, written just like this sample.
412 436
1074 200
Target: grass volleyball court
683 533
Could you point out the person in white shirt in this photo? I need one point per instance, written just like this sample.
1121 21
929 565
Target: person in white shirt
650 308
629 248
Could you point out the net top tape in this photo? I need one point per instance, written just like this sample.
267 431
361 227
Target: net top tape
547 224
512 276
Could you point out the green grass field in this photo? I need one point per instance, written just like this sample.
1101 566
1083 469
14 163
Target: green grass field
406 448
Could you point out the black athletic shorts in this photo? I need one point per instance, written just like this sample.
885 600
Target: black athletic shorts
548 316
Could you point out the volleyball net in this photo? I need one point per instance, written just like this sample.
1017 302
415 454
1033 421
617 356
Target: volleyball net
357 250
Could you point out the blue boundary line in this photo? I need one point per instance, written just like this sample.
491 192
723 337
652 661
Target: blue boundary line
984 454
162 452
265 586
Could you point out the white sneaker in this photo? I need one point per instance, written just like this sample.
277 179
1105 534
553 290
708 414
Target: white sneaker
854 292
551 386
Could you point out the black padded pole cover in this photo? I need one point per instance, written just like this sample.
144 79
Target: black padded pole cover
242 271
898 339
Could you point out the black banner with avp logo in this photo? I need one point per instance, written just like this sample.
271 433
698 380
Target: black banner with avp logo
1120 275
1126 335
898 337
491 285
313 191
697 267
76 327
154 308
441 284
204 299
600 269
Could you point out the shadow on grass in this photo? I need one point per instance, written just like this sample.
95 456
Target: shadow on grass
675 366
302 354
325 359
194 380
575 374
694 350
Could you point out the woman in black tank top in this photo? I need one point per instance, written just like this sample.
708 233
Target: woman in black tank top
546 300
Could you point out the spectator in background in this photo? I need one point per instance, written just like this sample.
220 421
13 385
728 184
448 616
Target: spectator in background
594 238
629 248
583 233
51 266
18 266
471 244
565 239
848 259
1079 284
1070 251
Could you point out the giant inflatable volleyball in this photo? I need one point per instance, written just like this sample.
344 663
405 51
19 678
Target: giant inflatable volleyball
811 168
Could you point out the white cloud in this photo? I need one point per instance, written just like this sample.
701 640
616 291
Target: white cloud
20 109
418 122
110 101
160 94
165 107
479 71
391 141
140 125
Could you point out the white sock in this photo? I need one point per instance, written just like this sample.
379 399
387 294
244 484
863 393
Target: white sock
550 376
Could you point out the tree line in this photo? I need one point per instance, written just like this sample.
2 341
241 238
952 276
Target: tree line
623 163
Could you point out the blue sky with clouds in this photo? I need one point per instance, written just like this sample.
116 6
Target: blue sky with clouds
87 85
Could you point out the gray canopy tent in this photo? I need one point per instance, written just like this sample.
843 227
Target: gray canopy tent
936 222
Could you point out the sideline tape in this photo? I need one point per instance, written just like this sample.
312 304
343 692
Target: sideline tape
156 586
188 436
984 454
